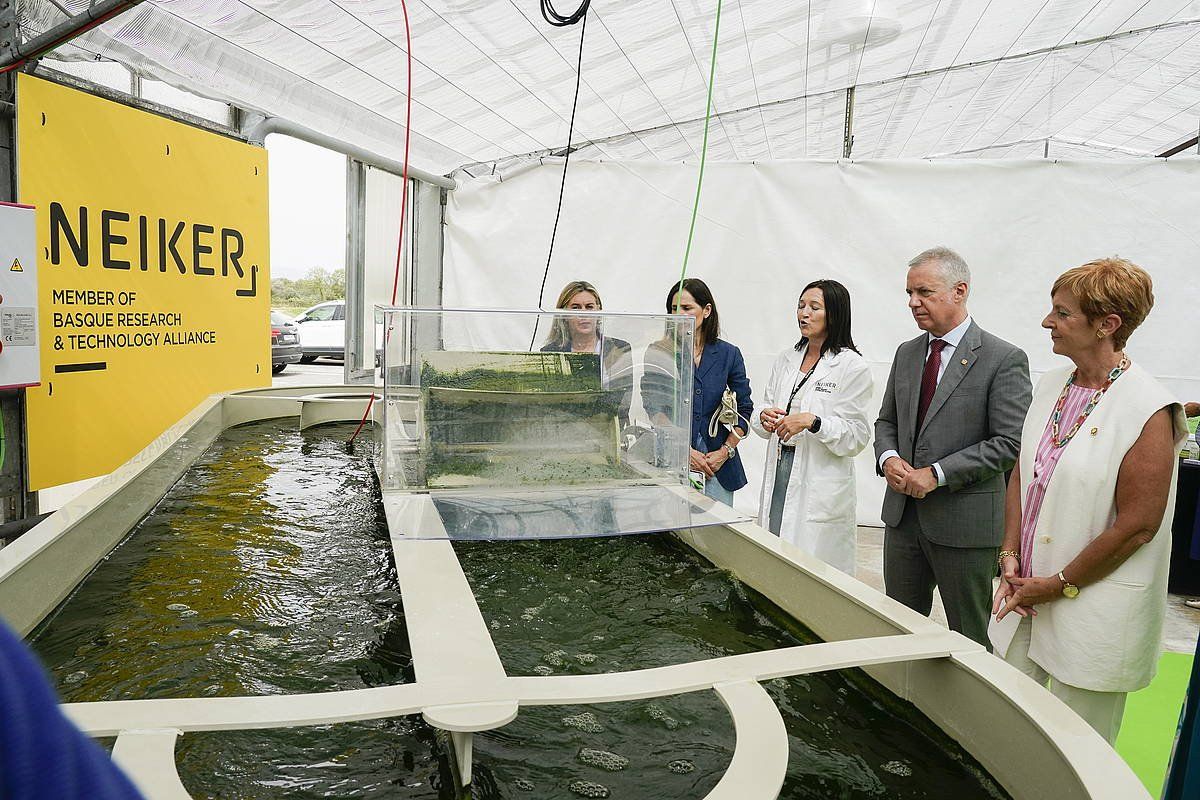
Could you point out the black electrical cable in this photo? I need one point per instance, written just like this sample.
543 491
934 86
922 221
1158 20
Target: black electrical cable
559 20
581 14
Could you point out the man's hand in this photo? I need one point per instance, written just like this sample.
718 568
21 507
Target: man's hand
1191 409
920 482
895 471
769 417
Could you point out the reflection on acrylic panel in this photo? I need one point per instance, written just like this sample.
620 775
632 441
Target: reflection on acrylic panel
488 433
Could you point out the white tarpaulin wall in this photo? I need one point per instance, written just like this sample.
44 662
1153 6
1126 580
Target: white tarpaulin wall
768 229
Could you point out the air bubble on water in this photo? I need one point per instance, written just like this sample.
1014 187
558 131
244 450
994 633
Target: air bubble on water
195 581
495 624
585 658
588 789
585 722
603 759
556 658
75 677
597 637
657 713
177 607
897 768
542 669
681 766
523 785
189 613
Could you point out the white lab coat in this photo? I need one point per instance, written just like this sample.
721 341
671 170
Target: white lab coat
819 512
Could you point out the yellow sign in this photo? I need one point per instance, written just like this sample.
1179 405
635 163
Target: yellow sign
16 267
154 288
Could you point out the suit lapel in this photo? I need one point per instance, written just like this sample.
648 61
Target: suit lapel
961 361
912 368
707 361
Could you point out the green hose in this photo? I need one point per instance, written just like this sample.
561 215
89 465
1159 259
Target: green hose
712 71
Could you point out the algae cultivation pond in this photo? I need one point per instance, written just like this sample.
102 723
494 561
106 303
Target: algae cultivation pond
267 569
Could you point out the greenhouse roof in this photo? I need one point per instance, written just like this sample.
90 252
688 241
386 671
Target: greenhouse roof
492 81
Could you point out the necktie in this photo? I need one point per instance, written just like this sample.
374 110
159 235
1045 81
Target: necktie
929 379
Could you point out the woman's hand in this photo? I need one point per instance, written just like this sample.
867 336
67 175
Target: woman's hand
716 458
698 462
792 424
769 417
1029 592
1010 569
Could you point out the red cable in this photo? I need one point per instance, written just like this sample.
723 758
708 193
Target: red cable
403 203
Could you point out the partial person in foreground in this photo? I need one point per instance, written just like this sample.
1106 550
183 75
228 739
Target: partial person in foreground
721 405
948 429
1087 537
814 414
42 755
583 334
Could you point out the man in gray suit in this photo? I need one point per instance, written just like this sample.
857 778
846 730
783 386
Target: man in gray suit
949 428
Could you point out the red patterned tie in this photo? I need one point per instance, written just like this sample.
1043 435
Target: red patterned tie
929 379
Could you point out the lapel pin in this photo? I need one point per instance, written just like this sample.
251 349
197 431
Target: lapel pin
1094 431
964 362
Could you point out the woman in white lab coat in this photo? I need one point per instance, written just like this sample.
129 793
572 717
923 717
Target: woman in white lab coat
815 415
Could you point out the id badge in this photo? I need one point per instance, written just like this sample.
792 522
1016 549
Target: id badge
697 479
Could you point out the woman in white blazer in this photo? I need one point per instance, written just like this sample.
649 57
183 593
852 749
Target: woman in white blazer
815 416
1087 535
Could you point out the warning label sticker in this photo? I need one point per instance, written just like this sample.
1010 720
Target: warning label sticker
18 327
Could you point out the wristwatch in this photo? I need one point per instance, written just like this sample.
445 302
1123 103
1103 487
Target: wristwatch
1069 590
731 450
816 425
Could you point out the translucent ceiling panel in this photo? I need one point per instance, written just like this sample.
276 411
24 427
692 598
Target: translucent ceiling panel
520 440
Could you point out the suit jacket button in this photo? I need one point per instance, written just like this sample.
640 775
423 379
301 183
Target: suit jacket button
1047 540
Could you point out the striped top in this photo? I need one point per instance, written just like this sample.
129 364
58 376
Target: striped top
1044 462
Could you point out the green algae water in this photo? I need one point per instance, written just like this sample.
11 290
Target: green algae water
267 570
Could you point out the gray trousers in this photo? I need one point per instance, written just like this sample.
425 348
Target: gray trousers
913 566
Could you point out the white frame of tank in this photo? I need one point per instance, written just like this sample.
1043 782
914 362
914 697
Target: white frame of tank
1030 742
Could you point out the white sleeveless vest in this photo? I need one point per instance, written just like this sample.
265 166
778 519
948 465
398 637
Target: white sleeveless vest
1109 638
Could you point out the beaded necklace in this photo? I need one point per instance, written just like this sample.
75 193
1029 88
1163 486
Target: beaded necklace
1091 405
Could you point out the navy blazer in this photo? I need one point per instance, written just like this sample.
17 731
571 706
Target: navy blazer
721 365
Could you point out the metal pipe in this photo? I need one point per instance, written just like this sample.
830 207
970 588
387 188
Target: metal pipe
67 30
259 133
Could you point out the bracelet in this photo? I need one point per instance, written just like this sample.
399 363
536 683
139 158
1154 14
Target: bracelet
1005 554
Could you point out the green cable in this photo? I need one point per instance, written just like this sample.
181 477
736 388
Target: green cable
712 70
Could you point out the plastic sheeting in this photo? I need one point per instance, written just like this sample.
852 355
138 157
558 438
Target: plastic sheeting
493 81
767 230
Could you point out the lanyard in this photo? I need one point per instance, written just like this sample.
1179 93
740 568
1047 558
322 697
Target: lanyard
800 385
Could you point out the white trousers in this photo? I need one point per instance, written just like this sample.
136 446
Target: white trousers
1101 710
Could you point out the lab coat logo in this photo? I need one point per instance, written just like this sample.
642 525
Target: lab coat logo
16 266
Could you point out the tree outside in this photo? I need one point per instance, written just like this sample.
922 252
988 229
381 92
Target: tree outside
291 296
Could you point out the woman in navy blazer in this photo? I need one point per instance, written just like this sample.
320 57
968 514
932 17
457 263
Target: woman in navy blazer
719 365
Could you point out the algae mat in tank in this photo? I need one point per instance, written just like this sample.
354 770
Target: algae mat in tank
267 570
500 418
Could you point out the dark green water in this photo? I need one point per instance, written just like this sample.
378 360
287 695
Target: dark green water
267 570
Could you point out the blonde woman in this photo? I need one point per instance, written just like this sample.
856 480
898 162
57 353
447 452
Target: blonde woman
582 334
1087 536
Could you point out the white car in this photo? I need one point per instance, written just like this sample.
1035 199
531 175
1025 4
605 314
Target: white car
323 332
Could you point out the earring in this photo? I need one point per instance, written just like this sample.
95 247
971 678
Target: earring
1100 334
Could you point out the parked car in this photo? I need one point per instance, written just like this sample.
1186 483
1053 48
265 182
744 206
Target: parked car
323 332
285 342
